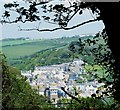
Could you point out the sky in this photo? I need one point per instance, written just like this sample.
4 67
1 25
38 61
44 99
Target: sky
12 30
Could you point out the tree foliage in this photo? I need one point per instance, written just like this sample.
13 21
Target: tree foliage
16 92
98 49
86 104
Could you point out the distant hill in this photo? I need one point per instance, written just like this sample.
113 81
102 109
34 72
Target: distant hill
25 54
20 38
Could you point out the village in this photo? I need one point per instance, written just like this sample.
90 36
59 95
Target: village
48 80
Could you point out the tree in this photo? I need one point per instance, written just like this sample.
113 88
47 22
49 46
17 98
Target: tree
16 91
108 12
108 15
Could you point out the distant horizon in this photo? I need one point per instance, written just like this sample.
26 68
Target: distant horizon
82 35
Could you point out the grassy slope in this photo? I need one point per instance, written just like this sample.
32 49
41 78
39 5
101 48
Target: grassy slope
26 53
20 48
46 57
17 49
15 42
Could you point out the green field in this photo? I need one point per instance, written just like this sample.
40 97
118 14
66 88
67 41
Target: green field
15 42
23 53
20 48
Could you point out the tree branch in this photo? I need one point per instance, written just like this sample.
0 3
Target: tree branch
80 24
40 30
54 29
74 14
73 97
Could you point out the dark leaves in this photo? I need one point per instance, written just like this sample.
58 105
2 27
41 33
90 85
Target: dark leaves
44 6
34 18
93 95
72 48
58 7
80 12
56 15
9 5
32 9
83 5
19 18
63 24
21 8
24 12
46 18
93 9
44 11
6 14
37 17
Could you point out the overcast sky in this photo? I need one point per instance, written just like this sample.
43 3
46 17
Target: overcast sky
11 30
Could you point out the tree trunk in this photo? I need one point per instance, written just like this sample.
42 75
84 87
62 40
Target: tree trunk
111 19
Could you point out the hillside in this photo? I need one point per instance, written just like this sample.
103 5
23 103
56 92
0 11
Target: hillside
24 54
20 52
20 48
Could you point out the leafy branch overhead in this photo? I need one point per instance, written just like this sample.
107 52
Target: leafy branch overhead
59 14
